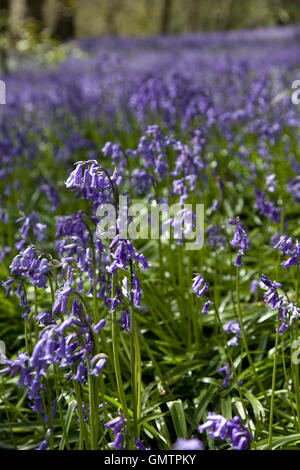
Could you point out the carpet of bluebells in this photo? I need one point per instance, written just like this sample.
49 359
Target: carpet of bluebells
140 343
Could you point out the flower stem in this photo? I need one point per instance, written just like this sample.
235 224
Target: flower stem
273 386
116 354
244 334
135 363
227 349
83 429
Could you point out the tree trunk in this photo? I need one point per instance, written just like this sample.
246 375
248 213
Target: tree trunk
4 14
227 8
193 15
34 10
4 5
112 7
64 28
165 16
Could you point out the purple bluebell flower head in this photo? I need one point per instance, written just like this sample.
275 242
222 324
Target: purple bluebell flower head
288 311
228 373
140 446
26 264
99 326
206 307
115 424
118 442
188 444
291 248
240 240
254 286
216 237
267 208
200 285
235 329
271 296
97 364
230 430
125 320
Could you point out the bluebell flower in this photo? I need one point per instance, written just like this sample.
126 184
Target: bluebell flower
235 329
228 373
188 444
240 240
97 364
230 430
287 310
206 307
267 208
199 286
140 446
289 247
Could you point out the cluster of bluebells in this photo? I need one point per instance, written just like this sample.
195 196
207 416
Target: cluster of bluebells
235 329
291 248
30 224
90 182
69 331
85 411
267 208
216 237
288 312
152 148
230 430
200 286
77 248
240 240
124 255
117 427
27 266
67 344
228 373
293 187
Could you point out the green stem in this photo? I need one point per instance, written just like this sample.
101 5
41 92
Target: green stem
94 409
287 381
244 334
273 385
296 368
228 353
116 354
61 417
133 359
12 437
83 429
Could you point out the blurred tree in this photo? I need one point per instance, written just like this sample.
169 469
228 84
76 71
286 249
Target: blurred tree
285 11
4 6
34 11
113 7
4 34
147 17
165 16
227 9
64 25
193 15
